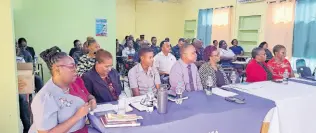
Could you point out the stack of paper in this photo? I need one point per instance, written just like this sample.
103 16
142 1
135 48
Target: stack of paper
223 93
116 120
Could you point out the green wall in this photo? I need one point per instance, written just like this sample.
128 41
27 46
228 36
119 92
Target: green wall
8 79
45 23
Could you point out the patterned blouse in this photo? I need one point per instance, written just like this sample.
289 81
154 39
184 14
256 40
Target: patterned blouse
278 69
206 70
85 64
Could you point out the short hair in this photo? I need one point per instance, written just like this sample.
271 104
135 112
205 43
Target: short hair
181 39
233 41
195 41
277 48
90 42
255 52
167 39
102 55
52 56
208 52
184 47
262 44
90 38
144 50
220 44
162 43
152 38
214 41
76 42
20 42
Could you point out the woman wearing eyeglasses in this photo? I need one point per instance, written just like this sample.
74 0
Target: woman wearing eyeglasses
211 68
102 81
278 64
257 69
62 104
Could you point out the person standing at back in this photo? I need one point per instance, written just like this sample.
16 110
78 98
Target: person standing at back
77 47
185 71
176 49
143 76
87 61
23 46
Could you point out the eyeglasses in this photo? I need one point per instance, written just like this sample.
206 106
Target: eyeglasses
70 66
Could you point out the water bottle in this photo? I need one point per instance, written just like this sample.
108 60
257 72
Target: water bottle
121 106
150 97
233 77
179 91
162 100
209 84
286 77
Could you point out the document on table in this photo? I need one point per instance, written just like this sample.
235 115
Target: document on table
109 107
223 93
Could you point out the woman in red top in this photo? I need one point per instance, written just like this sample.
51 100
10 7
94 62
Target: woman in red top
278 64
257 69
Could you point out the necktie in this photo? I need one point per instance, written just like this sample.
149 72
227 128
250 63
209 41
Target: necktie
190 78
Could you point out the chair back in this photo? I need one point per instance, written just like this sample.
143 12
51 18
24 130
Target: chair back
300 63
304 71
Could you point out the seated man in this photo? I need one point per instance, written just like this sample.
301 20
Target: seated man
257 69
198 44
176 49
102 81
143 76
164 60
185 71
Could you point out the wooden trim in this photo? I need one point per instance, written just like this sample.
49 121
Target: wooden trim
265 127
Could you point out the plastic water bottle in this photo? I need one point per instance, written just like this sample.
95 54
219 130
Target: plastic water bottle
209 82
179 91
233 77
286 77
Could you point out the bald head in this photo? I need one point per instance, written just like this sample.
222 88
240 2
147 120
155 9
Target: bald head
197 43
188 54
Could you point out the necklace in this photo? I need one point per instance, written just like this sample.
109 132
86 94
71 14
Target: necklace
66 91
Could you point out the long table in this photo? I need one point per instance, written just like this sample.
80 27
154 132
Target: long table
295 105
202 114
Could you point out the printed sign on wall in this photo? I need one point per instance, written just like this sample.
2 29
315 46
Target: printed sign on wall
101 26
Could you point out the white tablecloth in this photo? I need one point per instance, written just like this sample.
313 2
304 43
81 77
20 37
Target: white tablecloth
295 110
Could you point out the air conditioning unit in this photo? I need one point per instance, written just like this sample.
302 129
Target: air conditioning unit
249 1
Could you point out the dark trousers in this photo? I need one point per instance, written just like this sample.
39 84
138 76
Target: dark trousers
24 112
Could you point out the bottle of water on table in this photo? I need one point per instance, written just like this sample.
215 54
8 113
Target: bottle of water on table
209 86
233 77
286 77
179 91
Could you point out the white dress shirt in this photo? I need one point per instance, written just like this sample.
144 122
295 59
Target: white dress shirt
226 53
127 51
164 63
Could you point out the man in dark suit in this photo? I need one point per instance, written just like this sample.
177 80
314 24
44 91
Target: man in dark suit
23 45
102 81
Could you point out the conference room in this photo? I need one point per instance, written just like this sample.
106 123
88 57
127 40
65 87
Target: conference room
191 66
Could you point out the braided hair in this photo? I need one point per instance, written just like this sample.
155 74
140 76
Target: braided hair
52 56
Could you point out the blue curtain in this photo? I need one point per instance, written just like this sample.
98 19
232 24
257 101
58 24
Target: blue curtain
304 40
205 25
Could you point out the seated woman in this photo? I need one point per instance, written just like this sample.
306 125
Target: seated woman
211 68
102 81
278 64
265 46
238 50
61 105
257 69
226 55
87 61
